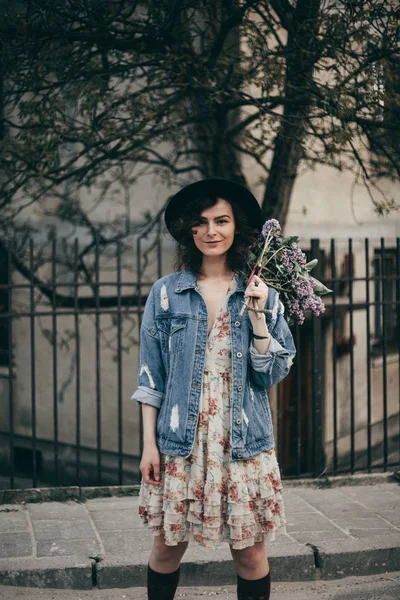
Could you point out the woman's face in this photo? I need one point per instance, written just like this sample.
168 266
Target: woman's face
216 231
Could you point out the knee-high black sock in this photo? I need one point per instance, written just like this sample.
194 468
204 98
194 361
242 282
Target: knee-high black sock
256 589
161 586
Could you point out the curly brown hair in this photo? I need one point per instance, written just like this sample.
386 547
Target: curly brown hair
188 256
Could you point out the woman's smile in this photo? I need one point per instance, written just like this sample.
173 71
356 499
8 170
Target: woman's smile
216 220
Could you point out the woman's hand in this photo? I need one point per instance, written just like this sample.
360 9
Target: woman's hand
150 464
258 291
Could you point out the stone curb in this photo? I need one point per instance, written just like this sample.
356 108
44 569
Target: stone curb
58 573
379 554
63 494
81 494
119 573
312 564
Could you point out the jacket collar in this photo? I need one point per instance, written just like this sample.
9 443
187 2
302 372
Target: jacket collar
187 280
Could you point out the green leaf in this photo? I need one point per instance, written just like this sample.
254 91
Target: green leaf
313 263
293 239
320 289
297 268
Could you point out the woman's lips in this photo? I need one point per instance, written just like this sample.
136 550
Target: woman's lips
213 242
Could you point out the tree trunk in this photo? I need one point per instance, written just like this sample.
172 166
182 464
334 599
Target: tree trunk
217 156
288 152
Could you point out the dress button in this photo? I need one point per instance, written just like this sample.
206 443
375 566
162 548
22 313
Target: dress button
240 455
237 323
239 388
239 354
238 421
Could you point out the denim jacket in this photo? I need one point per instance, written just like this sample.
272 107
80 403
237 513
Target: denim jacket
173 339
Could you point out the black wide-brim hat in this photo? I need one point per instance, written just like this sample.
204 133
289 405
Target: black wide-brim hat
218 186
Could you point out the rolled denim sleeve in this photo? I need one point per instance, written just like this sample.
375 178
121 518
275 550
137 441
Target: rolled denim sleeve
151 375
273 366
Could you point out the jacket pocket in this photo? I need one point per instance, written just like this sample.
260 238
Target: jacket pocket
172 334
259 413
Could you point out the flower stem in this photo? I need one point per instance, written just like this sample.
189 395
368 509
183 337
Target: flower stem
272 256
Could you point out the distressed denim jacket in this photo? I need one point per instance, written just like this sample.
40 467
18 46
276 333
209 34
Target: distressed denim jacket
173 339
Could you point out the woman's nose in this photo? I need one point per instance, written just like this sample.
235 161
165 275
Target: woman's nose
211 230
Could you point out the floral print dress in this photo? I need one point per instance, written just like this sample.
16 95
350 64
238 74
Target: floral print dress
206 497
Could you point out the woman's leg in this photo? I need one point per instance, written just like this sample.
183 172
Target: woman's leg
166 559
163 569
252 572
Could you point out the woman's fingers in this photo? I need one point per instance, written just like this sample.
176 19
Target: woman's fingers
255 291
151 473
156 471
149 476
256 279
146 474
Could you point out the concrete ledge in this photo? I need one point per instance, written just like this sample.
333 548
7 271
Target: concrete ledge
333 481
58 573
378 554
61 494
294 564
123 573
19 496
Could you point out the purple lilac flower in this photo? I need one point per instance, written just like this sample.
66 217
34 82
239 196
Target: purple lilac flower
304 300
314 304
286 266
295 311
303 287
271 226
291 255
297 255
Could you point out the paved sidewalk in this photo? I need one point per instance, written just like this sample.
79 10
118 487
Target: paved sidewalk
331 534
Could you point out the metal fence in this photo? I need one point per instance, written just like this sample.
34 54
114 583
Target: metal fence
69 337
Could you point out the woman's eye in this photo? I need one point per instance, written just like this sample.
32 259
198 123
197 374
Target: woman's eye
222 221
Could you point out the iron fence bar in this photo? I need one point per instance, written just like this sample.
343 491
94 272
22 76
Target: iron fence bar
351 324
159 251
334 356
139 296
55 358
298 401
135 311
10 368
119 369
278 419
398 320
69 445
78 364
64 313
368 325
317 425
60 285
384 361
97 358
33 364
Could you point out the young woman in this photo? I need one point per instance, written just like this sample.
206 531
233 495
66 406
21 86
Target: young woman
209 470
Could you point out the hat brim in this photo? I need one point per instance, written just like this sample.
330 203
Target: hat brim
223 188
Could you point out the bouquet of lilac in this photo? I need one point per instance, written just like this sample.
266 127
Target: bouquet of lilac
283 266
